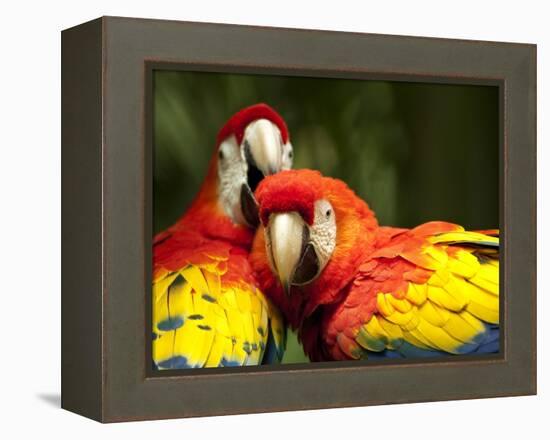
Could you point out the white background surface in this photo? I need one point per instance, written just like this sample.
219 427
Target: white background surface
30 218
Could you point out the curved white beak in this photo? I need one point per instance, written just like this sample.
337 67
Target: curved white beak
264 149
286 237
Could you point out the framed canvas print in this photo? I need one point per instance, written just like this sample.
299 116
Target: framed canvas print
341 219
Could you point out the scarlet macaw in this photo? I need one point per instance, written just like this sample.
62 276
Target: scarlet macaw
354 289
207 309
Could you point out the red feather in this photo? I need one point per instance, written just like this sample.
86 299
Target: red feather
237 124
289 193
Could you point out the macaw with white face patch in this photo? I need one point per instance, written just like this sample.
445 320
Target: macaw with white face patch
207 309
356 290
253 144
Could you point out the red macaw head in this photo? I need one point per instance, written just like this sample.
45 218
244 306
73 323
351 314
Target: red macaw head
315 231
254 143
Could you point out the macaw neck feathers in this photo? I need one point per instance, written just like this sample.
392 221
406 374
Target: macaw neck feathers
207 219
211 223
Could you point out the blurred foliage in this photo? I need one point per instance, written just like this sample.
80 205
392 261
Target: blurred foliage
415 152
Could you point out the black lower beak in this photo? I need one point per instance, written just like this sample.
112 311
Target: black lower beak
249 206
308 266
254 174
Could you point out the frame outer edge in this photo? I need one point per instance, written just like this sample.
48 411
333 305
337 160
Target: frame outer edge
81 214
533 51
127 393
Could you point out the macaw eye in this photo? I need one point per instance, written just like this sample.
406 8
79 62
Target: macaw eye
328 213
290 154
221 155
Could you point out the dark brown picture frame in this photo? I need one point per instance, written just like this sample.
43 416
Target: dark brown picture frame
107 218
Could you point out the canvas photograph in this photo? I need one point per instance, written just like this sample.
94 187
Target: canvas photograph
341 219
303 219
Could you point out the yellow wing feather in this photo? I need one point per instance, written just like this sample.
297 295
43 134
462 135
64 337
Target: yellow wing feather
199 322
451 311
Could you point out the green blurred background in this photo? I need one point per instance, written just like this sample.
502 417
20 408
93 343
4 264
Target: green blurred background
415 152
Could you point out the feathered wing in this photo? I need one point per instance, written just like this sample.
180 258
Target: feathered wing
207 311
433 290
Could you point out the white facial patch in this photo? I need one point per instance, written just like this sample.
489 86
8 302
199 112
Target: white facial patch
232 168
323 231
288 156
